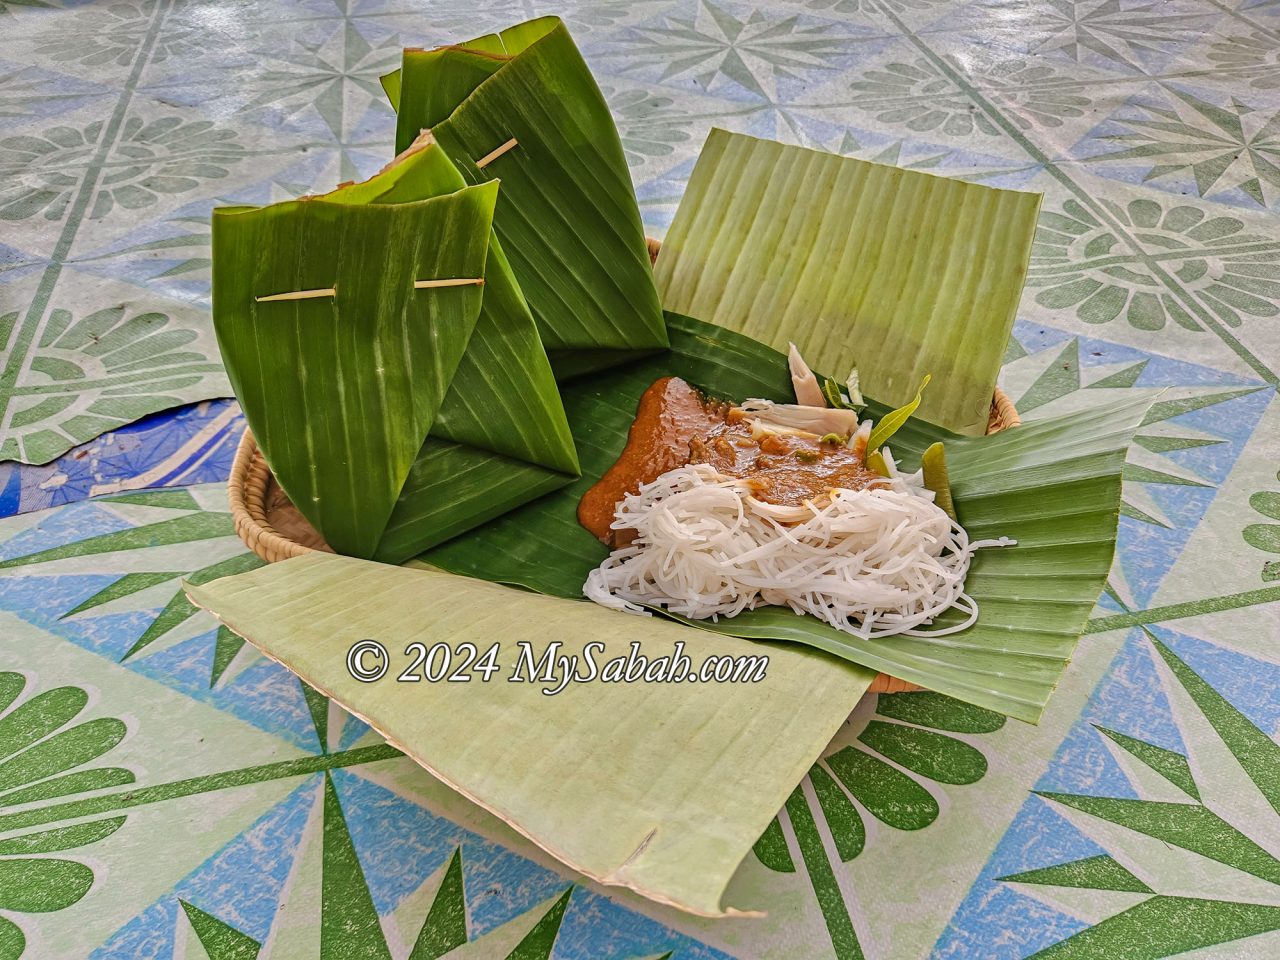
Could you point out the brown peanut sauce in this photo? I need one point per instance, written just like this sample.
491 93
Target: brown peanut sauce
676 425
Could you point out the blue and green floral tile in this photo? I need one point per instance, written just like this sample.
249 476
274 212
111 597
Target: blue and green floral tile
193 800
1190 140
1157 818
1137 39
737 52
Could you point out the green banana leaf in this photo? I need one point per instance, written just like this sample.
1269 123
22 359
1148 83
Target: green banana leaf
900 272
613 778
393 418
567 215
1053 485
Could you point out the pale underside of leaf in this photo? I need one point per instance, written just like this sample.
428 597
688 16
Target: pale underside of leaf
612 778
900 272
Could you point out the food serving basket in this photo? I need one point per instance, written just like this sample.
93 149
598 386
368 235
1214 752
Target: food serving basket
275 530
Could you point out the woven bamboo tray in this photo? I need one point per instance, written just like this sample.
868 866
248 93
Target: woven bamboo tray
273 528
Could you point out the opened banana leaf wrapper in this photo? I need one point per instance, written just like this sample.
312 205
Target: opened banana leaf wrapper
510 457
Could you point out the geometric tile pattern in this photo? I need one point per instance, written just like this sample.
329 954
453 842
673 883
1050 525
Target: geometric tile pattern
167 793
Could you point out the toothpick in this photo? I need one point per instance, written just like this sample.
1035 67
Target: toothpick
493 155
299 295
465 282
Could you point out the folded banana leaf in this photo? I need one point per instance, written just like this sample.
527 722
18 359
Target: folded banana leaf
567 215
1053 485
393 417
613 778
900 272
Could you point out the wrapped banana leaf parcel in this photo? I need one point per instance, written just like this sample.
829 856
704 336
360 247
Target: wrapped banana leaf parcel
522 106
386 360
728 498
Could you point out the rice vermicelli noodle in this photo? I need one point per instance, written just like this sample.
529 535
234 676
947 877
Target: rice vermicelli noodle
875 562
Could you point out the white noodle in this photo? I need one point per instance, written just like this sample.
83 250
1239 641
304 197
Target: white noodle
877 562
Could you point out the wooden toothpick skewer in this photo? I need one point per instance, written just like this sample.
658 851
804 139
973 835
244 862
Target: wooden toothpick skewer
493 155
465 282
299 295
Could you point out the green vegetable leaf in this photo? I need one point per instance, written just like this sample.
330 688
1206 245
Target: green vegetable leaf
933 462
892 421
834 398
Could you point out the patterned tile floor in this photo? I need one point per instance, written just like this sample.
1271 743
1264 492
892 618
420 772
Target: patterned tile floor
164 793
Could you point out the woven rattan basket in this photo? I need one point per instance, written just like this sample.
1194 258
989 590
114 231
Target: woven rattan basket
273 528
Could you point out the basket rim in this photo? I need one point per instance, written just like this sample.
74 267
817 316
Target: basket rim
246 496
